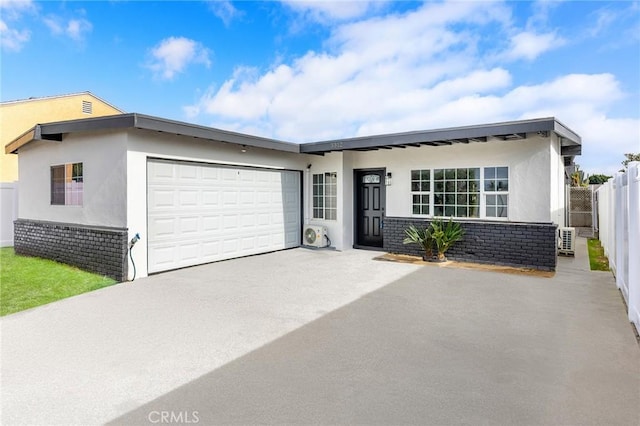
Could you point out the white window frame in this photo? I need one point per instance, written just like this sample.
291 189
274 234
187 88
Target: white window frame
418 190
498 191
324 196
68 189
482 192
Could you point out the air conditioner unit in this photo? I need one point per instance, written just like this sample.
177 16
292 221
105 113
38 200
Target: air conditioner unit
567 241
314 236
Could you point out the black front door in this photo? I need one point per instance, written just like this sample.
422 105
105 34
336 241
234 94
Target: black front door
369 188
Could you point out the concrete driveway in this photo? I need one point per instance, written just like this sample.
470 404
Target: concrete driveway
323 337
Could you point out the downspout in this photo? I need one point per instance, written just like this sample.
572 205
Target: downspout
306 196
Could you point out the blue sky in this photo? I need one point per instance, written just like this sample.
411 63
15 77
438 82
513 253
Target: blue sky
307 71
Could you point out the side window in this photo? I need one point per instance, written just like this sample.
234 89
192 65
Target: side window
420 191
496 191
325 196
67 184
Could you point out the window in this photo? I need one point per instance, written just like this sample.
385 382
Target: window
420 191
456 192
325 196
496 189
67 184
87 107
459 192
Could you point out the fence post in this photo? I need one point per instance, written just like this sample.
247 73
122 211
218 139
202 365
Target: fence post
618 238
633 179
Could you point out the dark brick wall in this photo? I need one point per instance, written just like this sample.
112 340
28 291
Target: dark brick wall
94 249
530 245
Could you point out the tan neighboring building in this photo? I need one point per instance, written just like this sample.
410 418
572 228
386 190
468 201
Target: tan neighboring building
16 117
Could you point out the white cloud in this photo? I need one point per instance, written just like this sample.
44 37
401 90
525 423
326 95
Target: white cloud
74 28
172 55
224 10
529 45
13 9
419 70
325 11
11 38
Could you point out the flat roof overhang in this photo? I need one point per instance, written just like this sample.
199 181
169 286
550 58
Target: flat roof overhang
513 130
56 131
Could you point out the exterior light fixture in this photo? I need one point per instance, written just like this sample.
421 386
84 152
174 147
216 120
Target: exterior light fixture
387 180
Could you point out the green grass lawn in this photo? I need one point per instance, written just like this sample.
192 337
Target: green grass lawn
26 282
597 260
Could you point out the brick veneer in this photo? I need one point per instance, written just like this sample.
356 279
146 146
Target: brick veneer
94 249
530 245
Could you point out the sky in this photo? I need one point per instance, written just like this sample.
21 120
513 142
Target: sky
309 71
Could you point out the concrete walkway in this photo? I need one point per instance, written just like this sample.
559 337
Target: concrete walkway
315 337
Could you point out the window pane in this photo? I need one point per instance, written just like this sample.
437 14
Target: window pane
462 199
425 199
438 186
425 209
461 174
474 211
449 211
450 174
450 186
462 186
491 211
57 185
415 174
437 198
489 185
461 211
415 186
474 200
416 209
425 186
449 199
489 172
491 200
474 186
501 212
438 211
502 200
502 172
438 174
474 173
416 199
503 185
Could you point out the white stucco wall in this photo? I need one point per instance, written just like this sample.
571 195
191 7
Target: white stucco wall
336 229
104 171
143 144
529 172
556 170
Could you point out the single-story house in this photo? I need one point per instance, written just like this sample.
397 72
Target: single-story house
196 194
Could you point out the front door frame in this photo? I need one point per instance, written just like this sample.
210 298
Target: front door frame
356 213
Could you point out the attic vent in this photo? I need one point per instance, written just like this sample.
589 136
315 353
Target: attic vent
87 107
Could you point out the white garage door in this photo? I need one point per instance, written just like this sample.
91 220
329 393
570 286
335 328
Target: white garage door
202 213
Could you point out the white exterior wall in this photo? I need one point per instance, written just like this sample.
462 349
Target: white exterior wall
557 186
529 172
536 184
338 230
104 170
142 145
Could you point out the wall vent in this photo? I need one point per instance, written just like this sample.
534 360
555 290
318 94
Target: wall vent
87 107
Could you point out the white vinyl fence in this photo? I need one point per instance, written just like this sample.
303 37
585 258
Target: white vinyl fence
8 212
619 217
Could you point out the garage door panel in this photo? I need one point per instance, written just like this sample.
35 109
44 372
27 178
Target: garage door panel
203 213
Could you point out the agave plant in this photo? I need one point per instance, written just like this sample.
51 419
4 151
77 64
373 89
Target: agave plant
445 235
422 237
